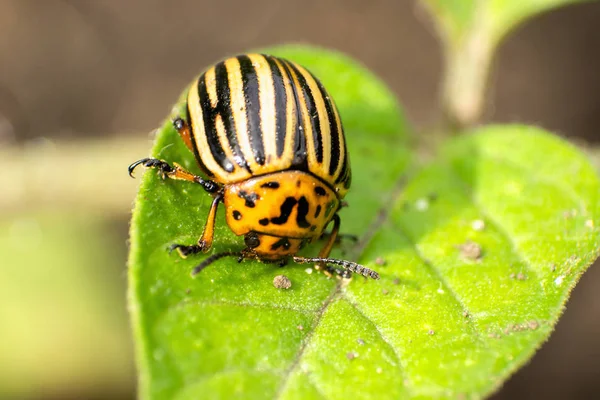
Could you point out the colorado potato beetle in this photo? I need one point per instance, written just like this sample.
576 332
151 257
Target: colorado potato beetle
270 140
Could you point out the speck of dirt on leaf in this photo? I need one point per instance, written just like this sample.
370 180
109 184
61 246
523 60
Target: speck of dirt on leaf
422 204
300 327
525 326
520 276
188 291
470 251
308 270
282 282
533 325
569 214
478 225
552 267
396 281
431 332
380 261
351 355
465 314
385 291
360 341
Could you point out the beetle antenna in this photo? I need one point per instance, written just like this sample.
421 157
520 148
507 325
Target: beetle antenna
214 258
348 265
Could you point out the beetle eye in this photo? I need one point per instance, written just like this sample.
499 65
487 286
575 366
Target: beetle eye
252 240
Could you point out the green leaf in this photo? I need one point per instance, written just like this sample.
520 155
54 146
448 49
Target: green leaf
493 19
443 321
229 329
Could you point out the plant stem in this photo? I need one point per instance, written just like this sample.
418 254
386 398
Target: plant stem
467 64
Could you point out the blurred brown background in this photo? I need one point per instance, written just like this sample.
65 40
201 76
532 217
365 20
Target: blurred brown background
110 70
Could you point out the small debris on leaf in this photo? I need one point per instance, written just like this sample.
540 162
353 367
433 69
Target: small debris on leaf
385 291
478 225
396 281
282 282
431 332
300 327
351 355
360 341
569 214
533 325
422 204
308 270
470 251
380 261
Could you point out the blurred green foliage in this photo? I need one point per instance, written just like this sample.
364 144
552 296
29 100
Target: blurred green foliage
62 304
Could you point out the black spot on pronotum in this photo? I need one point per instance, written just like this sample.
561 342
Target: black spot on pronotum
302 212
320 191
284 211
250 198
270 185
283 242
318 211
264 221
237 215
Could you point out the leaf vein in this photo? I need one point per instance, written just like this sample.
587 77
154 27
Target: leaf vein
436 273
384 338
296 361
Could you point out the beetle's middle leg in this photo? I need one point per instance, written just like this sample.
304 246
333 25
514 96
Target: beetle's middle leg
205 242
326 250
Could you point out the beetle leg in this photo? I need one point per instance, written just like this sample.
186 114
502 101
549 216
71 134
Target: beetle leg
206 240
174 172
340 237
324 253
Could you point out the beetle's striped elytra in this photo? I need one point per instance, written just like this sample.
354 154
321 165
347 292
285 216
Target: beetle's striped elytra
270 140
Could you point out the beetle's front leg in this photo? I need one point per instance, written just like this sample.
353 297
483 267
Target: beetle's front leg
174 172
206 240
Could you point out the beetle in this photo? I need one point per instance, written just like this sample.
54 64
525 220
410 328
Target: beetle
270 140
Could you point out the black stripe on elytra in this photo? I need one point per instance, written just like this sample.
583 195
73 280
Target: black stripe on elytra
193 140
343 172
210 130
251 95
280 105
334 129
284 211
313 113
300 159
227 113
302 212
